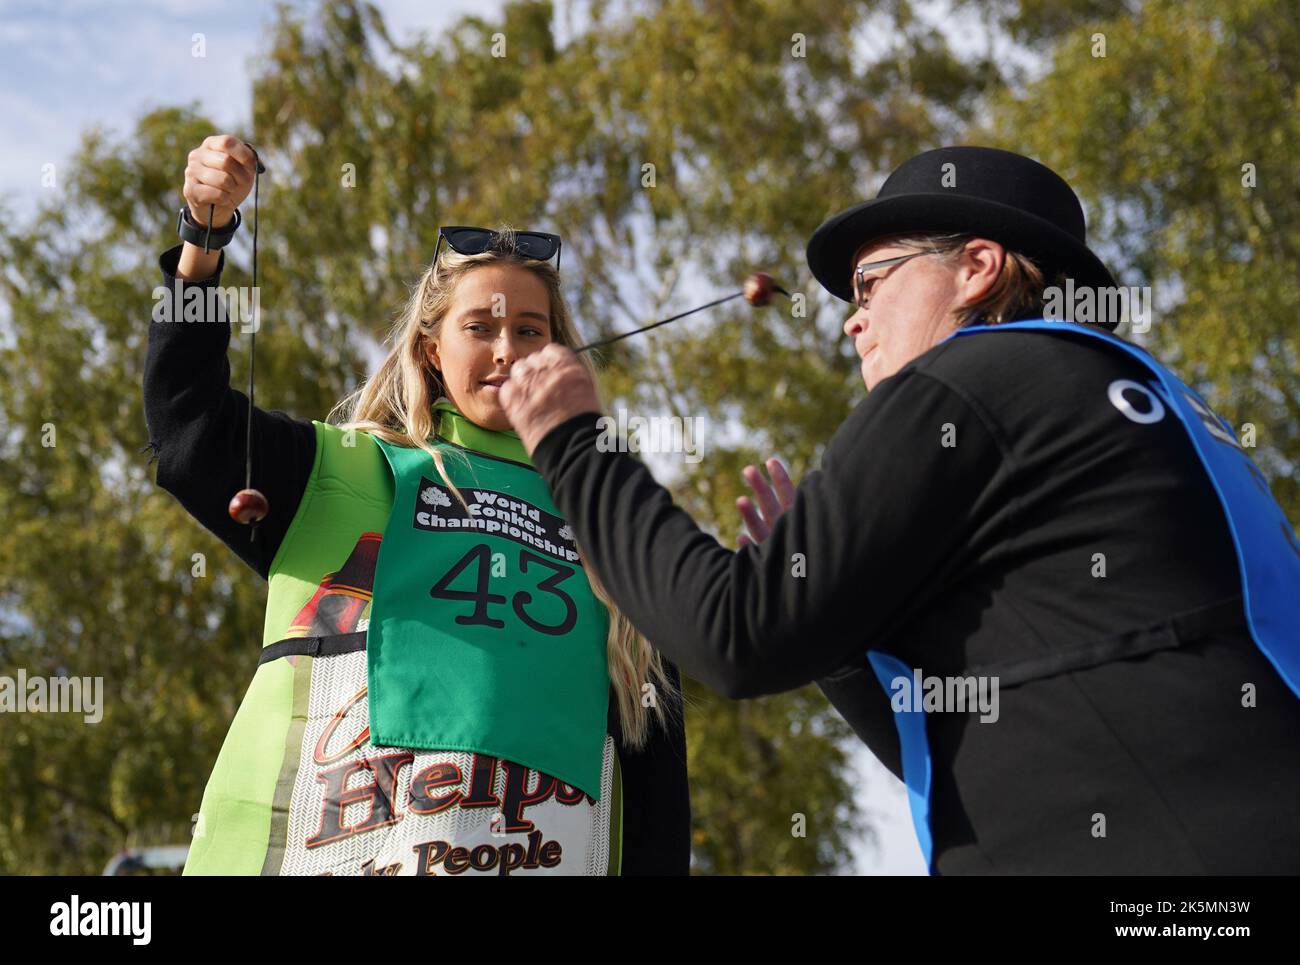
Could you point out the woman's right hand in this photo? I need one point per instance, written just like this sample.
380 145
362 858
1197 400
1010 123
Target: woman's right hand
773 500
219 172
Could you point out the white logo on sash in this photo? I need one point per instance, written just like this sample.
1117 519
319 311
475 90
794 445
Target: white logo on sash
1155 409
1211 421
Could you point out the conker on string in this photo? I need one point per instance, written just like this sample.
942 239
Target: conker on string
759 288
248 506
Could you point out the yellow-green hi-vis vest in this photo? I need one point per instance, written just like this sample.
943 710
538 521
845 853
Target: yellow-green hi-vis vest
300 788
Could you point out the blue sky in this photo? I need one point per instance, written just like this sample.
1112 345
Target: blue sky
69 65
66 66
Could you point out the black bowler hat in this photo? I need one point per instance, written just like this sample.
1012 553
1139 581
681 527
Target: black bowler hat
996 194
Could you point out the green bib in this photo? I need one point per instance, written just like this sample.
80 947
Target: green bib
484 634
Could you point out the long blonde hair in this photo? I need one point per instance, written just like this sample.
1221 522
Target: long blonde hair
396 405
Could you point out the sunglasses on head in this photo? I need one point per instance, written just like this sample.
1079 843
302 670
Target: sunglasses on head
466 240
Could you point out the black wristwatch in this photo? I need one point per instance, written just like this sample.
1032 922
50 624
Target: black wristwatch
199 234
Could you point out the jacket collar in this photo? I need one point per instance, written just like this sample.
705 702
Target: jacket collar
460 431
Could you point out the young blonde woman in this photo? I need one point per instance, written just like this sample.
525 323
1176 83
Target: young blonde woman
444 688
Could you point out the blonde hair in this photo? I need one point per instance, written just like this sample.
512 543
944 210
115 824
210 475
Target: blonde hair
1017 292
396 405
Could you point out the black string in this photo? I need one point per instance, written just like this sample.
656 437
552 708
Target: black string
252 341
607 341
647 328
252 347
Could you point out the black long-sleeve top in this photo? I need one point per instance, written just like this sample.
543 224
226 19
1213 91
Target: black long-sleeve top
988 510
197 424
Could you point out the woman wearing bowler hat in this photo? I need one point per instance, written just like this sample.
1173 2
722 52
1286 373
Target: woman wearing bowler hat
1035 572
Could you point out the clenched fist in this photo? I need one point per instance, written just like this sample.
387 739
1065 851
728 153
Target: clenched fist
218 172
545 389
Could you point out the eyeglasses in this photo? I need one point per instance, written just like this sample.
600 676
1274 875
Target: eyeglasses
474 241
861 289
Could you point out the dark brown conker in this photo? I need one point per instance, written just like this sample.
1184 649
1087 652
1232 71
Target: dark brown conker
759 288
248 505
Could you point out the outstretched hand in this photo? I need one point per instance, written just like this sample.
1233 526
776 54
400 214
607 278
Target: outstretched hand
773 499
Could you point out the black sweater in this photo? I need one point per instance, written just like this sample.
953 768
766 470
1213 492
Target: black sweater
1121 696
197 424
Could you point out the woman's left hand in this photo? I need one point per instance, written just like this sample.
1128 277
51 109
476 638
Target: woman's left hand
544 389
773 501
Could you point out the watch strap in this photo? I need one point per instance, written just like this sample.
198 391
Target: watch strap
198 234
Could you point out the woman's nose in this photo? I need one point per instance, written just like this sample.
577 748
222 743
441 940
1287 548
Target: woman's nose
855 323
504 350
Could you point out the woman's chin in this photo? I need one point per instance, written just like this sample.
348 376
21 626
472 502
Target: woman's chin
490 414
865 369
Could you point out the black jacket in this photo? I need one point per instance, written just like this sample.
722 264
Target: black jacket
1121 697
197 428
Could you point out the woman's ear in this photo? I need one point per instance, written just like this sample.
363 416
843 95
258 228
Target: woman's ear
981 265
433 356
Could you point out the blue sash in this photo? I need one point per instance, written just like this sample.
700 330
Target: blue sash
1268 556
